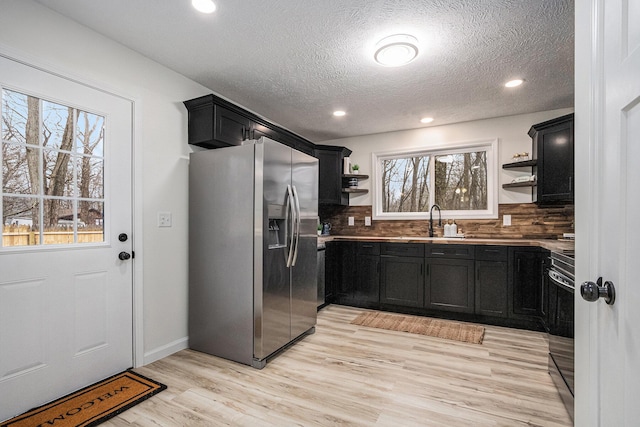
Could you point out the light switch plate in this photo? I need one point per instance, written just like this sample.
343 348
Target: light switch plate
352 221
164 219
506 220
367 221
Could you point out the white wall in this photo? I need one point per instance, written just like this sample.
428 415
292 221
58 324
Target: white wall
510 131
34 33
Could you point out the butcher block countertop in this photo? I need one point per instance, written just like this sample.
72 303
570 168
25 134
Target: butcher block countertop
549 244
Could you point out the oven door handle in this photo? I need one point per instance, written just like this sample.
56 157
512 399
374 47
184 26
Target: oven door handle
562 280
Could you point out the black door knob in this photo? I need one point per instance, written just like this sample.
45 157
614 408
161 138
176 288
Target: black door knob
124 256
594 291
123 237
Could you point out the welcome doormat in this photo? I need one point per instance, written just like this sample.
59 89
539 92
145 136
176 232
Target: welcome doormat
93 404
422 325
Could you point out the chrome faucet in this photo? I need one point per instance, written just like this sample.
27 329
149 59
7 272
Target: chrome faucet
431 219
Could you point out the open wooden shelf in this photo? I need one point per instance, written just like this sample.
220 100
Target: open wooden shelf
520 184
524 163
355 190
353 175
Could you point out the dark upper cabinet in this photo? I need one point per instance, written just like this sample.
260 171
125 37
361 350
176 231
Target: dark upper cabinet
230 128
526 267
491 281
216 123
554 150
259 130
330 160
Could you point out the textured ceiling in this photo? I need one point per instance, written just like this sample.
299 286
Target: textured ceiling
296 61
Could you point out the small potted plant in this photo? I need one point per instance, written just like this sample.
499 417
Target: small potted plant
355 168
319 229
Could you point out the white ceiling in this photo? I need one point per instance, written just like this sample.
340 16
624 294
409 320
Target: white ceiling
296 61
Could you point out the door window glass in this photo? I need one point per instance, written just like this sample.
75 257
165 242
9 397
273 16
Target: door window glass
52 172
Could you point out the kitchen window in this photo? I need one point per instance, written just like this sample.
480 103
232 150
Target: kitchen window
460 178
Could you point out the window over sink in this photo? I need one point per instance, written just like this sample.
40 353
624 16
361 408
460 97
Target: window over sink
460 178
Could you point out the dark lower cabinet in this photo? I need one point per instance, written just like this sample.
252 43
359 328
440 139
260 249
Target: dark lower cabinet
495 284
492 280
402 281
347 269
367 289
359 273
526 265
332 271
449 285
491 288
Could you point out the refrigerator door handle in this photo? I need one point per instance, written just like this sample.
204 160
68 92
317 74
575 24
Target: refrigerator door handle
297 233
291 220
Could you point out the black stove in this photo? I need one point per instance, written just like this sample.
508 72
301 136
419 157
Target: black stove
561 290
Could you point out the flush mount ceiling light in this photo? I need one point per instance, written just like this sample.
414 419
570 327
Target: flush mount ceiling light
339 113
396 50
514 83
204 6
426 120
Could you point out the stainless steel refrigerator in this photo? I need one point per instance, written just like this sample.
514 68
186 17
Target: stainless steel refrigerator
253 215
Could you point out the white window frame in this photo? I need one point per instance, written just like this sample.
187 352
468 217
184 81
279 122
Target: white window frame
488 145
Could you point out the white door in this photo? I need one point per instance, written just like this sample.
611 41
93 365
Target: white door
607 210
65 296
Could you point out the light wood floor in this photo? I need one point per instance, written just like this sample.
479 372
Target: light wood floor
352 375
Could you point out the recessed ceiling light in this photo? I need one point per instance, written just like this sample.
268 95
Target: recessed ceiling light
204 6
514 83
396 50
339 113
426 120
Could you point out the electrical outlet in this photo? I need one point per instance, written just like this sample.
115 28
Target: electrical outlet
367 221
164 219
352 221
506 220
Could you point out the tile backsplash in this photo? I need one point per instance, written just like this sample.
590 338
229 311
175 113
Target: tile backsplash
528 221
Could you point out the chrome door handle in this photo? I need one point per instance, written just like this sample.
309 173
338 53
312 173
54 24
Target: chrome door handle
291 208
297 233
593 291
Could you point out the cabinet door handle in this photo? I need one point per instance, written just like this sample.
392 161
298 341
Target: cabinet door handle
570 182
518 268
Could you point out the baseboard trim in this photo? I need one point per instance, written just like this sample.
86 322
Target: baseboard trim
166 350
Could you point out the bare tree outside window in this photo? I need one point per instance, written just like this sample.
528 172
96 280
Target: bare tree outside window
52 172
405 184
461 181
456 180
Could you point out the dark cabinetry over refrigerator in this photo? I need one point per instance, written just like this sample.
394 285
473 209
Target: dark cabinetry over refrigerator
216 123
